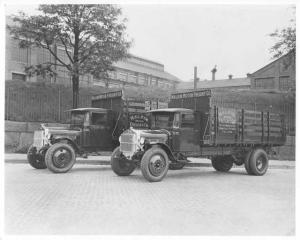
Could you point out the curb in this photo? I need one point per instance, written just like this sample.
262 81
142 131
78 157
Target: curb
106 162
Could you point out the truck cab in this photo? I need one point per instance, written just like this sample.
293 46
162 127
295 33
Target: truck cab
90 130
172 132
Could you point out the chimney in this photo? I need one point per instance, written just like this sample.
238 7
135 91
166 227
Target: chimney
248 75
230 76
196 79
213 71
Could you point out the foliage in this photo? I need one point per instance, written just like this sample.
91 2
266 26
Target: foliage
285 41
92 36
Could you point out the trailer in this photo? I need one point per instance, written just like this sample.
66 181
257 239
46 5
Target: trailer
194 125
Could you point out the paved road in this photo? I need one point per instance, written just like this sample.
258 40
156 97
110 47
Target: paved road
90 199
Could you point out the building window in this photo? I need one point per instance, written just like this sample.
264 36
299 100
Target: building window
153 81
123 76
285 83
264 83
161 84
18 77
132 78
43 55
18 54
143 80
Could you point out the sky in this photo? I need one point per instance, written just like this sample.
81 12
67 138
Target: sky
181 36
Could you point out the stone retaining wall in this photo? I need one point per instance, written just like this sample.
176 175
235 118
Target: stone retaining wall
19 135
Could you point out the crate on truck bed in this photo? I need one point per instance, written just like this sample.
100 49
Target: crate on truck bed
231 125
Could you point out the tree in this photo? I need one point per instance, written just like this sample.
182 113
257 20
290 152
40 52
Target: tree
285 41
92 36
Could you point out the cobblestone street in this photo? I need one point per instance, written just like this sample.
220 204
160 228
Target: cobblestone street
91 199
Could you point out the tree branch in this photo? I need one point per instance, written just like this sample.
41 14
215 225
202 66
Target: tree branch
66 49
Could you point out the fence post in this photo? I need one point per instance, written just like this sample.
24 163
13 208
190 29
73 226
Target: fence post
7 104
59 117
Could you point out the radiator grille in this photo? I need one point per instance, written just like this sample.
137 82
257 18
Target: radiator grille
128 143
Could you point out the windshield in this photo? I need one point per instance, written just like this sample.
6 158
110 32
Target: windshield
162 120
77 118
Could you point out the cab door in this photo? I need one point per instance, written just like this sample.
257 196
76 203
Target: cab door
186 136
99 131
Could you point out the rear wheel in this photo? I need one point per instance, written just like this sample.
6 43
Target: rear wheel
222 163
176 166
155 164
258 162
247 162
60 158
120 165
36 159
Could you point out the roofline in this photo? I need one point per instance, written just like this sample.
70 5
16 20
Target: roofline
87 109
271 63
147 60
171 110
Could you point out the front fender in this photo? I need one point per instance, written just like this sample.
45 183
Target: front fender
70 141
167 149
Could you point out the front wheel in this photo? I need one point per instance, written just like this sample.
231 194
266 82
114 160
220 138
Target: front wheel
36 159
155 164
60 158
120 165
222 163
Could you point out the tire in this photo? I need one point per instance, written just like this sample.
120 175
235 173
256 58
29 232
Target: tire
120 165
60 158
247 162
222 163
176 166
35 159
155 164
259 162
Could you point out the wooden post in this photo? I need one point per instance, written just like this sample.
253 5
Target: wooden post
262 127
59 107
268 124
243 124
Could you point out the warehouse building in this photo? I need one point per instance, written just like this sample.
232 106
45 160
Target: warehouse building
134 71
278 75
230 83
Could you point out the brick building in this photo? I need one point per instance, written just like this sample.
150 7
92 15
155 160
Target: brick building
134 71
277 75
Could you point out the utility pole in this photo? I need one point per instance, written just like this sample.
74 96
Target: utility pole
196 79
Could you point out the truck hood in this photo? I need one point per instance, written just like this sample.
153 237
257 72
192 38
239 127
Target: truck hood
62 131
152 135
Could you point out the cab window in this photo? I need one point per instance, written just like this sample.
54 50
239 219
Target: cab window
162 120
187 120
98 118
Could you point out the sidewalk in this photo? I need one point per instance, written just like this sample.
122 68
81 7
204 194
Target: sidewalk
104 159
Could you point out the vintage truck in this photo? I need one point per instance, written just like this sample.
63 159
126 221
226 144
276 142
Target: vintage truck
225 135
91 130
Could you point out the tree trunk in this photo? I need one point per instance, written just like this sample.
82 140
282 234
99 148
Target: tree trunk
75 81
